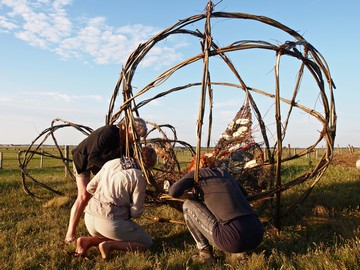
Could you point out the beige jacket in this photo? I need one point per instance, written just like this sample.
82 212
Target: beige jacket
117 193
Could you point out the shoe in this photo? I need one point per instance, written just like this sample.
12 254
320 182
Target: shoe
205 256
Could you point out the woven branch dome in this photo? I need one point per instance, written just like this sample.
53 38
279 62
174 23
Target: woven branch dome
273 84
281 99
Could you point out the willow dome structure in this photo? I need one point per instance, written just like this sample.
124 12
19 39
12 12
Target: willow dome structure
273 84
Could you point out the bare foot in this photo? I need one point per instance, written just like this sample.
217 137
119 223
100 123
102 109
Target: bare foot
82 245
104 248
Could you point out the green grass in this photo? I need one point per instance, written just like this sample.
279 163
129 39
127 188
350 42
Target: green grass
323 233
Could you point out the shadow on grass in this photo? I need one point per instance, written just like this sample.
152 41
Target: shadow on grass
329 216
175 241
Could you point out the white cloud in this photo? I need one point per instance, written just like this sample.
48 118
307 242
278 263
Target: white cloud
69 98
33 100
46 24
37 22
5 99
6 25
165 55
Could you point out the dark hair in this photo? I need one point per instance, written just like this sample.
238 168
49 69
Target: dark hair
149 155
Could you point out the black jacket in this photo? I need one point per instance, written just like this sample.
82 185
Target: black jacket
218 190
102 145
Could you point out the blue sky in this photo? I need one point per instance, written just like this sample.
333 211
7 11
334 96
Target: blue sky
61 59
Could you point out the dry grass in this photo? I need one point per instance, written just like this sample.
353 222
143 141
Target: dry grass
322 233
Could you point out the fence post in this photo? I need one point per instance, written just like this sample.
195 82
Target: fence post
42 158
67 157
289 150
1 160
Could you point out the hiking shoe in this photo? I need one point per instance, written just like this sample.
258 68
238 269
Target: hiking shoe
205 256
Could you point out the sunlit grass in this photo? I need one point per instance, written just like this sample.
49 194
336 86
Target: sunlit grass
322 233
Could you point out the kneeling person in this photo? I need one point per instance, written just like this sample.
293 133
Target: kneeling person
219 215
118 195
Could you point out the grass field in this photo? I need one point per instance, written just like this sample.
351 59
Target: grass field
323 233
